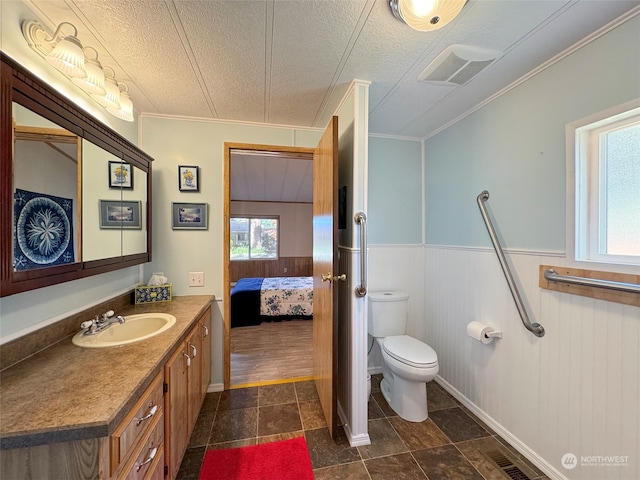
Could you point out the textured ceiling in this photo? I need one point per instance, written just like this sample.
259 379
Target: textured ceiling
290 62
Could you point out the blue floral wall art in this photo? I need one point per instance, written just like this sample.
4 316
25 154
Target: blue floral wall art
43 230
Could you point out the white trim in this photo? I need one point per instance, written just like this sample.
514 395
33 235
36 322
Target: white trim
354 440
395 137
512 251
511 439
62 316
215 387
540 68
141 116
374 370
395 245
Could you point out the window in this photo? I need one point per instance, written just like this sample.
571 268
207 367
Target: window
607 188
254 238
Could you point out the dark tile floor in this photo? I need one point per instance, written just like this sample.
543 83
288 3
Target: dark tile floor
451 444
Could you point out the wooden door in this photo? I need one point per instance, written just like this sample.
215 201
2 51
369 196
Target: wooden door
325 263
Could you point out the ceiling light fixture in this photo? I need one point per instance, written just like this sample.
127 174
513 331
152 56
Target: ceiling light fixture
65 53
426 15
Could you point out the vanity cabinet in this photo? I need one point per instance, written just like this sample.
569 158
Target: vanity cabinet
187 376
134 451
129 416
137 444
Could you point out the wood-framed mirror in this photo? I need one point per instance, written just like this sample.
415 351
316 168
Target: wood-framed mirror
75 197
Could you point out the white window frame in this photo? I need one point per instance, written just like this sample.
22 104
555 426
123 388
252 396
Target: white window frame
582 227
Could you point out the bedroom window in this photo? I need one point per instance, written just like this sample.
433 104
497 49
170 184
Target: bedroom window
254 238
607 189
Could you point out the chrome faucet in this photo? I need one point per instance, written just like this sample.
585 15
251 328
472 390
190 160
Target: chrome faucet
101 322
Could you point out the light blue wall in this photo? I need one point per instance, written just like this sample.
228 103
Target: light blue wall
515 148
395 191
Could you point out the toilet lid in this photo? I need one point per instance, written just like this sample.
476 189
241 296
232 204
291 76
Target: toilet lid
411 351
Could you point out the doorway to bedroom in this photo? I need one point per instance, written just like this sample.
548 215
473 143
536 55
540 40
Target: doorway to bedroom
269 236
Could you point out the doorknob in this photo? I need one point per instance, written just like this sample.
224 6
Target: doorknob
329 277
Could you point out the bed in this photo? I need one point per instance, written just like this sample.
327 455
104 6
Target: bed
256 300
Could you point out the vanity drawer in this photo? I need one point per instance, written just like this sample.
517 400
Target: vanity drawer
136 424
157 467
145 458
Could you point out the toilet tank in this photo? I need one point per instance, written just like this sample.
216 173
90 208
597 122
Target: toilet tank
387 313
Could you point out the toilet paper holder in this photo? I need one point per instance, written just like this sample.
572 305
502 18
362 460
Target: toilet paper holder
493 334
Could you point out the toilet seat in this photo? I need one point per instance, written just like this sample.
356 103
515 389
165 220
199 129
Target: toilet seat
410 351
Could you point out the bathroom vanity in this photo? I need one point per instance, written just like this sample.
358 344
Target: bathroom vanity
122 412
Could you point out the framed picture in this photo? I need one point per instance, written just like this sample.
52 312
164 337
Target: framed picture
120 175
116 214
189 216
188 180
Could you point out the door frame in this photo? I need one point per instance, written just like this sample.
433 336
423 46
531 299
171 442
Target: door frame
228 146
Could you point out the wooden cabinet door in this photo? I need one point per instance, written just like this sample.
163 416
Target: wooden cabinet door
177 428
205 332
194 350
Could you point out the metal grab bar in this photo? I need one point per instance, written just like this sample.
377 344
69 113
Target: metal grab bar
552 276
534 328
361 219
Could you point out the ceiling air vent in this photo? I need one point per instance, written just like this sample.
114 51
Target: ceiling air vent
457 64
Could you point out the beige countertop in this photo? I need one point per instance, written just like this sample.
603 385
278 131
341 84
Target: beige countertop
67 393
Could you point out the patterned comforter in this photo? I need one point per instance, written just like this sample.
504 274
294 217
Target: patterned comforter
286 296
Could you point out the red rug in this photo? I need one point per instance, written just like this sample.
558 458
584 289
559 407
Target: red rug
283 460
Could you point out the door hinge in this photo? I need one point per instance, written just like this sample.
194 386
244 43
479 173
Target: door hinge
165 387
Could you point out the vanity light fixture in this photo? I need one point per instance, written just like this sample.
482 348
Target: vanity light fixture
125 111
111 97
65 53
93 83
426 15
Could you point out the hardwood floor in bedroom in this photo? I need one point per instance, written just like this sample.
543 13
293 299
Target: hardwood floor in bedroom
272 351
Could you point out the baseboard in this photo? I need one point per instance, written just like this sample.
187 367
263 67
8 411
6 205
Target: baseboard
374 370
514 441
354 440
215 387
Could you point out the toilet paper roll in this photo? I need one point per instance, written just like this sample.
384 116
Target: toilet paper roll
478 331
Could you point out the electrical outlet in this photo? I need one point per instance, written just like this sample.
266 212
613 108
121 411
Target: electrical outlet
196 279
285 269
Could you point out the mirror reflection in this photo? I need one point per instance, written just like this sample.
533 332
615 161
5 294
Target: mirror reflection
46 208
102 235
134 236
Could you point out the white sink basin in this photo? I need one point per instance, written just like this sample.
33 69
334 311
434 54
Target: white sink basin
134 329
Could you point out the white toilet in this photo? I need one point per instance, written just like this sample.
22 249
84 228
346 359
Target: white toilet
408 363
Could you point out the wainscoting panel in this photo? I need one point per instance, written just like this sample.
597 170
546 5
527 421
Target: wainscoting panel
398 267
574 391
282 267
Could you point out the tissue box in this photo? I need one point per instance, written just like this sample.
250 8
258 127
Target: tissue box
153 294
